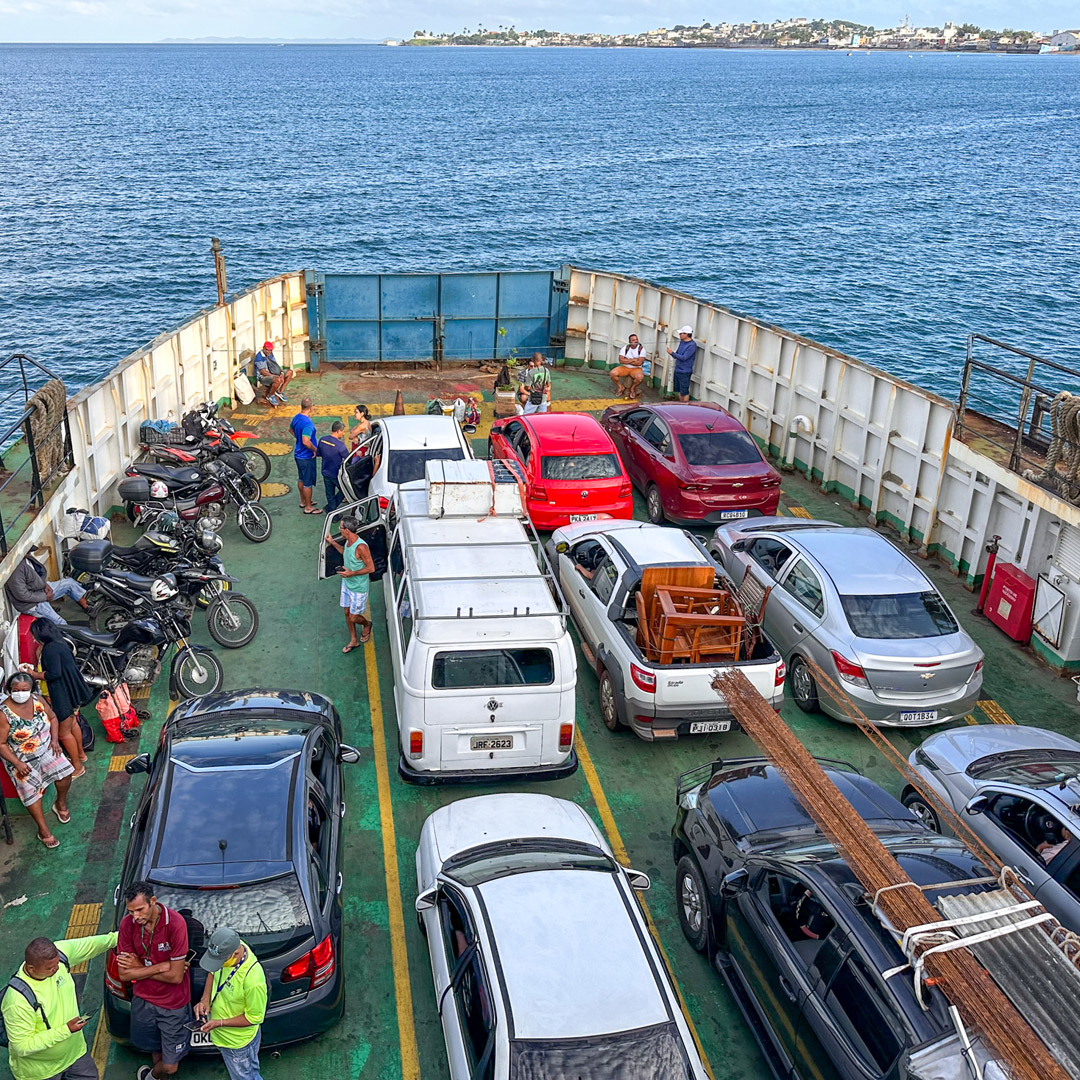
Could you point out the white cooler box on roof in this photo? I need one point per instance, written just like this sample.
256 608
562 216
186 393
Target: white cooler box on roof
474 489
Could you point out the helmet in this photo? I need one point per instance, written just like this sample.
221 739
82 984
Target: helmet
168 521
163 587
209 540
158 490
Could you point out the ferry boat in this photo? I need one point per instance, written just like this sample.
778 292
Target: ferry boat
945 479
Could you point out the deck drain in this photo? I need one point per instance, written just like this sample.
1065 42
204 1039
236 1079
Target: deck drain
274 449
273 490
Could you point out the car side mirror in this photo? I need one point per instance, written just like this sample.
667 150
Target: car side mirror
562 547
638 879
348 755
739 545
426 900
139 763
976 805
735 882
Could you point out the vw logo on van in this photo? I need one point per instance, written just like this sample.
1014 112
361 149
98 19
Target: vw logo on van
492 705
584 494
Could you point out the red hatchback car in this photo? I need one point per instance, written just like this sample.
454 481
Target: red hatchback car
572 470
694 462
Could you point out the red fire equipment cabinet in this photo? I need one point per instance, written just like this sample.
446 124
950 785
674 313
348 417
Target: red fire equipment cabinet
1012 596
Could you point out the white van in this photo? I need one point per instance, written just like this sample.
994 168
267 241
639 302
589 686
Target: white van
485 669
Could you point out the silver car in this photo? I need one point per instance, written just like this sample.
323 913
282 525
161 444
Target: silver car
1018 789
860 609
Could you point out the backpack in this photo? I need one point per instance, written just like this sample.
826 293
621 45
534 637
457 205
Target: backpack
272 365
21 986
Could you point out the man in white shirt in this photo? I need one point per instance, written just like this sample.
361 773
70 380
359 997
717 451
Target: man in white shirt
633 367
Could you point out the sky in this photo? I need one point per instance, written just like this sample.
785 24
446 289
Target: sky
153 20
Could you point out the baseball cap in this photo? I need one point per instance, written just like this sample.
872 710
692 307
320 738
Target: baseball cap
686 330
268 344
222 944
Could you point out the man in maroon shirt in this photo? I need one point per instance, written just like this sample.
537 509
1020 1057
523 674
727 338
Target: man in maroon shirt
152 953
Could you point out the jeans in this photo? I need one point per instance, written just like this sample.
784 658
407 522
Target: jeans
65 587
243 1064
334 496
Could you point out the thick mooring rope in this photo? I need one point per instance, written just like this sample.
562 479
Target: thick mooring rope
1064 443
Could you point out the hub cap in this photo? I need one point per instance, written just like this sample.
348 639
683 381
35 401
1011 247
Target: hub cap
923 813
607 699
691 903
655 506
800 677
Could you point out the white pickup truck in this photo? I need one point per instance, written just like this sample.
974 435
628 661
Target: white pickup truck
600 565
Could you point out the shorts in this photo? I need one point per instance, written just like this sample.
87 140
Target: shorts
682 383
355 603
266 380
305 469
160 1031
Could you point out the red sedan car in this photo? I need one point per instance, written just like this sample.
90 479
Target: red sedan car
694 462
572 470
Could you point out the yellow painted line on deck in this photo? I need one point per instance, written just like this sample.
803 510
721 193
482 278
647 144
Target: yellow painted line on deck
995 712
969 719
799 512
102 1041
141 693
418 408
117 763
410 1059
83 922
592 778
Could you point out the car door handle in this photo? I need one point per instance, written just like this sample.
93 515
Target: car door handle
797 628
343 808
340 882
1023 878
581 593
788 992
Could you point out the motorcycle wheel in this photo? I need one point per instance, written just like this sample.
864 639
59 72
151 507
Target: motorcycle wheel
258 462
130 510
250 488
108 618
254 523
232 621
210 591
196 672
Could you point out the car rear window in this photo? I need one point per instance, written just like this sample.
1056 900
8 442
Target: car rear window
492 667
655 1052
406 465
719 448
580 467
1032 768
899 615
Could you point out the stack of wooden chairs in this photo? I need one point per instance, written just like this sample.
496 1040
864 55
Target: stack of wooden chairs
683 618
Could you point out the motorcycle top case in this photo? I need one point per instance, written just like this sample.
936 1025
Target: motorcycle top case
134 489
90 556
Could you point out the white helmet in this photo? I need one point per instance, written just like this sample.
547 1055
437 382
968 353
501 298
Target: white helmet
163 587
209 540
158 490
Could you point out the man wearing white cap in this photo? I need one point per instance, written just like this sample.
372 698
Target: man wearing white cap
684 355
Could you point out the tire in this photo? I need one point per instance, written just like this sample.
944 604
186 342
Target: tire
258 462
490 450
210 591
609 705
250 488
184 677
110 617
921 809
254 523
803 687
232 621
692 902
129 509
655 505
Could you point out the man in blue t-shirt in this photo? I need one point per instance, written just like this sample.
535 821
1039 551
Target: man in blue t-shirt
303 431
270 377
684 355
333 452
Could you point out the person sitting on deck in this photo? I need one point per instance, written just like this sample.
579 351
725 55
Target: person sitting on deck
270 376
632 369
31 593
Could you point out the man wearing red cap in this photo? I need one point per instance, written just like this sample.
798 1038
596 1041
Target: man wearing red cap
270 376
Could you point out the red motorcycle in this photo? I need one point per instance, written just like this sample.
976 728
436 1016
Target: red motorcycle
203 436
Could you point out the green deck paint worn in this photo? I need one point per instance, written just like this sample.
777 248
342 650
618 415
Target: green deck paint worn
299 646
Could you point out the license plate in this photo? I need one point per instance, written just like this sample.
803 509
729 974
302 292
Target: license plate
491 742
703 727
924 716
200 1040
732 515
583 517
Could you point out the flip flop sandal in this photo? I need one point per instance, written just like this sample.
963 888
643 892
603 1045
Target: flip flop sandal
349 648
62 820
55 843
81 772
313 510
365 638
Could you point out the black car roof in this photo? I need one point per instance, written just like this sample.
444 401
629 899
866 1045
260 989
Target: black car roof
315 707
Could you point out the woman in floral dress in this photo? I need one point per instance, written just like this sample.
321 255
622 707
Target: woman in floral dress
30 747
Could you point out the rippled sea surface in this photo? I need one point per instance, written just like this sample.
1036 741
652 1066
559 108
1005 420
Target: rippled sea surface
885 204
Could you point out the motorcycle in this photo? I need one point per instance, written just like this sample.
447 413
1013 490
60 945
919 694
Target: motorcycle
207 436
187 481
128 655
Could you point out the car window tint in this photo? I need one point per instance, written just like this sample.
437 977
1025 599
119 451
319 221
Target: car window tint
519 440
1030 768
603 580
1072 881
800 915
492 667
456 926
805 586
658 435
472 996
862 1013
653 1052
900 615
406 465
637 419
1026 821
580 467
719 448
769 554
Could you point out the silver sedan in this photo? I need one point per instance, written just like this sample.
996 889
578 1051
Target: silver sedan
1018 789
858 607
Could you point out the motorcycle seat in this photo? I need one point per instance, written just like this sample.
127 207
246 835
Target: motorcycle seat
91 637
137 581
149 541
170 474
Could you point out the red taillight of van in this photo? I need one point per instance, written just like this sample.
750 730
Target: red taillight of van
566 736
643 680
416 744
112 976
317 965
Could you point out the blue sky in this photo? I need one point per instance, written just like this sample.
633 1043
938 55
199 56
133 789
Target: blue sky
152 20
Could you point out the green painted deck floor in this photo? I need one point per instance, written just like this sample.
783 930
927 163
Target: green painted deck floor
630 786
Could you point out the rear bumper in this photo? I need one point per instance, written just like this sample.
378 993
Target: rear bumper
487 776
887 714
685 515
547 518
674 723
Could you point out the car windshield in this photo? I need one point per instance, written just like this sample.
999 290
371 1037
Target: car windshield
1032 768
580 467
719 448
523 857
899 615
655 1052
406 465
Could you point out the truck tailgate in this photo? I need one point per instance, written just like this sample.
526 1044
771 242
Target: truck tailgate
689 688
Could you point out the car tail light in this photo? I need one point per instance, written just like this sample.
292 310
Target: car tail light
697 487
416 743
978 668
781 673
113 982
317 965
539 493
384 502
643 719
848 671
626 490
771 481
643 680
566 736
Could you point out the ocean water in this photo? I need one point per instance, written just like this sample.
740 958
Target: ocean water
884 204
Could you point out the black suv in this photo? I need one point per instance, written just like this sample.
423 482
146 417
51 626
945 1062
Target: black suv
240 826
784 920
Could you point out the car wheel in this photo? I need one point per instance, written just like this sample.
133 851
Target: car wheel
922 810
655 505
692 900
609 704
803 687
490 450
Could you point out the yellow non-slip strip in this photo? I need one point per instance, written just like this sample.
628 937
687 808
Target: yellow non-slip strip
418 408
799 512
118 761
102 1041
83 922
995 712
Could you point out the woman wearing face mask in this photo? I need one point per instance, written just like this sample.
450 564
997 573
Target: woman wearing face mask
67 691
30 747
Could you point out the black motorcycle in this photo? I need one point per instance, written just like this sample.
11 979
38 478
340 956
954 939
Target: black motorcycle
204 436
188 481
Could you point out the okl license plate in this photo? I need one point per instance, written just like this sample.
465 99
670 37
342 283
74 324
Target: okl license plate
492 742
200 1040
703 727
582 517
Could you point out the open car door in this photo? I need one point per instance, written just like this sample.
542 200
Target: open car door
372 529
359 467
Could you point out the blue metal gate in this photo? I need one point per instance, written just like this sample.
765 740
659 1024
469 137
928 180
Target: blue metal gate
425 317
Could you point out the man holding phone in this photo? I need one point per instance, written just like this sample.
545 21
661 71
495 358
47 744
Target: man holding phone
355 577
41 1011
